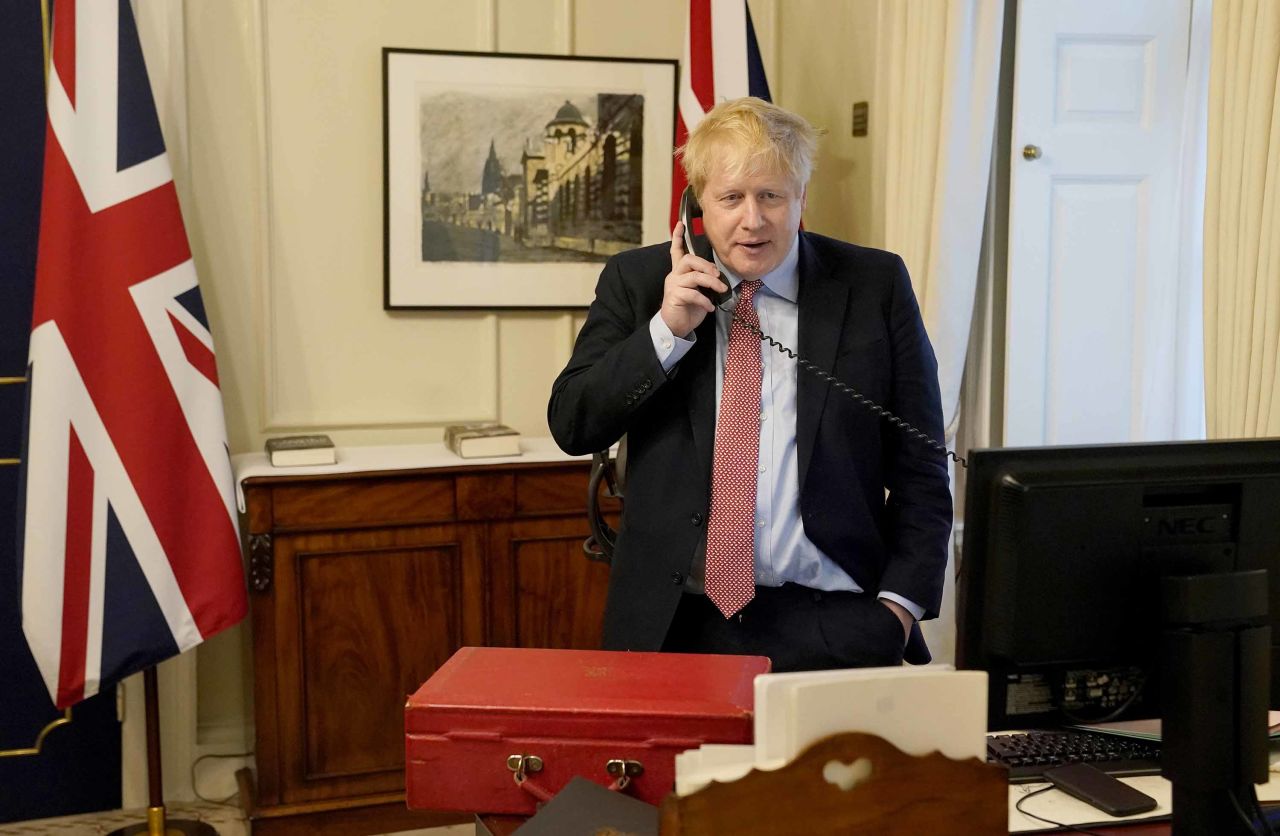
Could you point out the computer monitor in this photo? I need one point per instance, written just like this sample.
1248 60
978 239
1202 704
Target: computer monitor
1058 591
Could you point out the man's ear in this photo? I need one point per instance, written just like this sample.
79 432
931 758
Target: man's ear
804 198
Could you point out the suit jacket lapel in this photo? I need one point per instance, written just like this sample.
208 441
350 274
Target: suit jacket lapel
822 316
697 377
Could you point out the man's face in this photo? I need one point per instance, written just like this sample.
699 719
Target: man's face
751 219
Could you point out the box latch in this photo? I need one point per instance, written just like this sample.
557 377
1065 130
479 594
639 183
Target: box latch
623 771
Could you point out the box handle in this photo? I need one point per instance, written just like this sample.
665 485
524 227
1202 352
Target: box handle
522 766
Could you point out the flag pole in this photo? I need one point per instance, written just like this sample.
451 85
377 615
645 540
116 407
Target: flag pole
157 824
44 40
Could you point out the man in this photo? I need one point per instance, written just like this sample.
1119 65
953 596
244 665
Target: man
766 512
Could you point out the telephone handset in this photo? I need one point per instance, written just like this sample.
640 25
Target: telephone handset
701 247
689 209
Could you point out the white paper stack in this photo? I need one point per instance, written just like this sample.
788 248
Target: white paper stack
721 762
919 710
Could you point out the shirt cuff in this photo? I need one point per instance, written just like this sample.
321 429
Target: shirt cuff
669 348
917 611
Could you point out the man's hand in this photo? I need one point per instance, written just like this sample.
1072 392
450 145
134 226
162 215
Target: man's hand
903 615
684 306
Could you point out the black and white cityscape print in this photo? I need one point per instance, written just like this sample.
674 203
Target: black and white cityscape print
541 177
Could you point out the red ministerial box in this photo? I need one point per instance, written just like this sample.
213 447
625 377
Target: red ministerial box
496 730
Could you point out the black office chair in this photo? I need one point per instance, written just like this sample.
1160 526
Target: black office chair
612 471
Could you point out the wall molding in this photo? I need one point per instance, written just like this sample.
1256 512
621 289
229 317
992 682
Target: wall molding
34 748
568 16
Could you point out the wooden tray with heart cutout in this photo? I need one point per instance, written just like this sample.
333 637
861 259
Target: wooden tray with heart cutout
849 783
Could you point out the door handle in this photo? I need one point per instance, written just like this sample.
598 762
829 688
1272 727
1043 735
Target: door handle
1031 152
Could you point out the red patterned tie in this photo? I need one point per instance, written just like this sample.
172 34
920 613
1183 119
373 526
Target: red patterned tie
731 528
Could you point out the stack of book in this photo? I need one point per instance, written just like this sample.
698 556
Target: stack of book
483 439
292 450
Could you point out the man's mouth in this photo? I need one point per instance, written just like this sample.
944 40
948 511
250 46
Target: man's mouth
753 246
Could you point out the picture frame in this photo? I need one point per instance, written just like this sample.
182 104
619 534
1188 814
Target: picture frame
509 178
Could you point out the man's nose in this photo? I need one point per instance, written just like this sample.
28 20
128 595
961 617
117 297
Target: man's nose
751 215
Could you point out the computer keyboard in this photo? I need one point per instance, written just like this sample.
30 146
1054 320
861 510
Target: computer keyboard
1029 754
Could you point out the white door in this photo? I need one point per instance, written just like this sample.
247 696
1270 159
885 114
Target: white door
1098 95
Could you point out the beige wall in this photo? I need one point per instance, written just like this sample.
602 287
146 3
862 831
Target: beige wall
284 208
825 62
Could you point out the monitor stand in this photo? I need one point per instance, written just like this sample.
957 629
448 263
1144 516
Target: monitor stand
1215 684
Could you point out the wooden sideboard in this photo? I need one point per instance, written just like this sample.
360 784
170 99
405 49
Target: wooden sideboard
361 585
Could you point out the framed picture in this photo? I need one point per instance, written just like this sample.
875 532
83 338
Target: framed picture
510 179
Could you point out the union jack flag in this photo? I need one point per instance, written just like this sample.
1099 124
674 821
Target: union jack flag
129 551
721 61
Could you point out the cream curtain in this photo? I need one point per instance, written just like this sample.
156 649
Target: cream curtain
932 157
937 75
1174 405
1242 222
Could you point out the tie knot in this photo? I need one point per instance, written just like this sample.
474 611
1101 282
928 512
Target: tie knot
749 289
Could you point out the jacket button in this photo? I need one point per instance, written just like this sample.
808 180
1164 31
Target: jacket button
696 519
677 578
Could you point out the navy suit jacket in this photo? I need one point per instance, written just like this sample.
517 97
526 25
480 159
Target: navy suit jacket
876 502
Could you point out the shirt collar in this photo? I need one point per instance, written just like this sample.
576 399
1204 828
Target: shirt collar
783 280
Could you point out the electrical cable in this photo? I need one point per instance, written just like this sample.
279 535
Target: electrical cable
1263 821
226 801
903 426
1018 806
1244 817
1114 714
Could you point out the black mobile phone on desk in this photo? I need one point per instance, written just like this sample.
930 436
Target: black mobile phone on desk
698 245
1095 787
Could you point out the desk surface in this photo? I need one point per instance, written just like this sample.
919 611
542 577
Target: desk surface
498 825
1062 808
506 825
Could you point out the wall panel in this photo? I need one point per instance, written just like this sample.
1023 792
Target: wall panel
652 29
332 356
534 26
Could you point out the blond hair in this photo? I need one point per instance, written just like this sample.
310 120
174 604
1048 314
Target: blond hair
749 135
